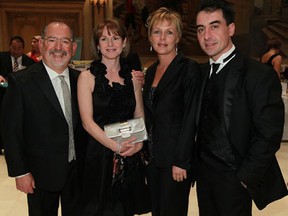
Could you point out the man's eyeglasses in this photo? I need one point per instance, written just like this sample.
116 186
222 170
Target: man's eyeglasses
53 40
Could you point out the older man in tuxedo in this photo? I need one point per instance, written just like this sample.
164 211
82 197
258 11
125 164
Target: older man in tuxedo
41 127
12 61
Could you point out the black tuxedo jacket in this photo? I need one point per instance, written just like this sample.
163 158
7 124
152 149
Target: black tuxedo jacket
254 118
173 113
6 67
6 63
34 128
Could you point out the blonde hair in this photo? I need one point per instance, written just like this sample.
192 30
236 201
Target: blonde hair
36 37
162 14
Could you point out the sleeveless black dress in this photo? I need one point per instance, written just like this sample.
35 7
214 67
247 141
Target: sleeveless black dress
269 62
112 104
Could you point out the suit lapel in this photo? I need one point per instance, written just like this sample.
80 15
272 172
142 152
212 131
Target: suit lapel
8 63
42 78
205 72
170 73
235 70
25 60
149 77
168 76
73 89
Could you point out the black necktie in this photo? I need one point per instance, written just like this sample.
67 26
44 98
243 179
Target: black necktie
215 67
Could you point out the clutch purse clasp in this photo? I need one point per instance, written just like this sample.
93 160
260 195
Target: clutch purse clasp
121 131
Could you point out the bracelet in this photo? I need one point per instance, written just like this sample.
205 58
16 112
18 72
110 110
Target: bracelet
119 148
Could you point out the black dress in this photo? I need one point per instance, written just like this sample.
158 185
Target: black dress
269 62
100 197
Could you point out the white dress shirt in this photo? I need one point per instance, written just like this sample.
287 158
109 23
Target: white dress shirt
56 82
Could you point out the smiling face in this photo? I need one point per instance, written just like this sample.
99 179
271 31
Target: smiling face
213 34
110 44
57 47
164 37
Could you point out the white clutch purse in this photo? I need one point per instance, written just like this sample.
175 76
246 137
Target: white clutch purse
121 131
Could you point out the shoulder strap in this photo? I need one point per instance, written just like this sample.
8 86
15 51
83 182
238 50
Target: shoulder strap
269 62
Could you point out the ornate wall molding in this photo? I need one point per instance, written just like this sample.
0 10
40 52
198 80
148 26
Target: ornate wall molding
29 18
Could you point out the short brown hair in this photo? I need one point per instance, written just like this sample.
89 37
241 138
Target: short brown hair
273 43
113 26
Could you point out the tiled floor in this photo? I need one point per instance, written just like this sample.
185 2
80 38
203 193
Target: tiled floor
13 202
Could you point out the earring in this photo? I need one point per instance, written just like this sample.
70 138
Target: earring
176 50
98 50
151 48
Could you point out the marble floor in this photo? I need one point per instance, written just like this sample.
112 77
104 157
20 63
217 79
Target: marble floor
13 202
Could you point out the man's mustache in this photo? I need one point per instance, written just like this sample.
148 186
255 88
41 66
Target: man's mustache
62 52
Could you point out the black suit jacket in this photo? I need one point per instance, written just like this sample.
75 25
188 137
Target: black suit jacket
6 67
254 118
34 129
6 63
173 112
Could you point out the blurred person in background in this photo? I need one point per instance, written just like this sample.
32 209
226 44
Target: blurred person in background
12 61
273 57
35 53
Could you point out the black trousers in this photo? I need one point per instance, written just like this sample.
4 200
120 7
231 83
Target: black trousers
46 203
169 197
220 193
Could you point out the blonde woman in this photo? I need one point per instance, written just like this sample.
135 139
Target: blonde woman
170 97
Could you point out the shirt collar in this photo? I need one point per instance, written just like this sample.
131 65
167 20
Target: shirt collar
19 59
220 60
53 74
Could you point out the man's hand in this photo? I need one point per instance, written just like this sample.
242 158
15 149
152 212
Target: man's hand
2 79
25 183
179 174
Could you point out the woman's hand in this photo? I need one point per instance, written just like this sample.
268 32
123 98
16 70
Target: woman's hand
139 76
129 148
